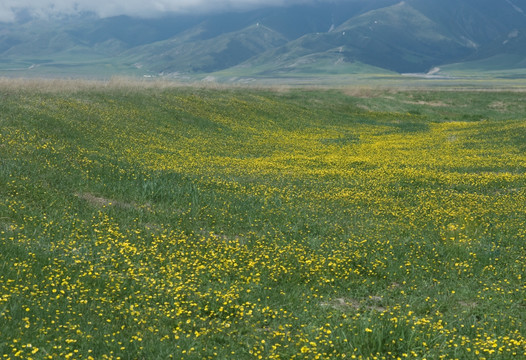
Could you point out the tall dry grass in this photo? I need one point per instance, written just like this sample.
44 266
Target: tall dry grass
73 85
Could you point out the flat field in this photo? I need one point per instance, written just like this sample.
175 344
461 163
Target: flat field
149 222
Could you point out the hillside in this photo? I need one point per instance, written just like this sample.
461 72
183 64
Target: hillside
384 38
335 37
185 53
505 57
139 222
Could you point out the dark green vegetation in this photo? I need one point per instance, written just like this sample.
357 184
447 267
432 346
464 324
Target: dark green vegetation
195 223
371 36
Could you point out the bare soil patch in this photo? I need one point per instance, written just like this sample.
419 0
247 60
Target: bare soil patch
346 304
103 202
427 103
499 106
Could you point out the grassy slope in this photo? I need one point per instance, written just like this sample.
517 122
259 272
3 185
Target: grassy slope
148 223
501 66
73 63
186 54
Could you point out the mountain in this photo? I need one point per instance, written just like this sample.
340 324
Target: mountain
504 57
188 53
396 37
325 37
409 36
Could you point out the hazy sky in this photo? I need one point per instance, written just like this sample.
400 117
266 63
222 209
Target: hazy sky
104 8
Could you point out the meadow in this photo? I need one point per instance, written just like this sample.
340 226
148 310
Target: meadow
157 222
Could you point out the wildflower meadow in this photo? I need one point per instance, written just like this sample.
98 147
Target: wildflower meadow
144 222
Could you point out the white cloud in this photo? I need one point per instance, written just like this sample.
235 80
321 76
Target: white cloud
105 8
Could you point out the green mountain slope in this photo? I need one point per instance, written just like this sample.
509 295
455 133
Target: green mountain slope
505 57
320 37
514 44
397 38
400 38
475 21
188 55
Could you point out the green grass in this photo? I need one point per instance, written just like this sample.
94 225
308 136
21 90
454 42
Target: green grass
72 64
495 67
153 222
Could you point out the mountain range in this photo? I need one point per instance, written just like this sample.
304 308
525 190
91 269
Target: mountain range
338 37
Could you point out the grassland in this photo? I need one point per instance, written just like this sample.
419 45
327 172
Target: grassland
142 222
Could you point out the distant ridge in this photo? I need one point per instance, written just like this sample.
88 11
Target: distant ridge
412 36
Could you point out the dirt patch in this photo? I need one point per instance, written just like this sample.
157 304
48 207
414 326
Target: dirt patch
427 103
499 106
364 107
103 202
393 286
224 238
373 303
503 192
468 304
361 92
153 227
6 225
